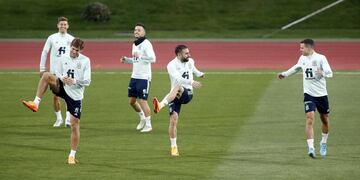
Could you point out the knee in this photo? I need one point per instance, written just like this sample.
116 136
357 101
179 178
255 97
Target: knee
173 119
132 102
46 76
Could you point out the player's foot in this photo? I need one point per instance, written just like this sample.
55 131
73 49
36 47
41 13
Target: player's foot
72 160
156 105
31 105
174 151
67 122
311 152
141 124
147 128
58 123
323 149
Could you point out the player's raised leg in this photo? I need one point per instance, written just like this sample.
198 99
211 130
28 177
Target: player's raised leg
173 133
46 80
325 133
309 131
175 92
146 110
74 138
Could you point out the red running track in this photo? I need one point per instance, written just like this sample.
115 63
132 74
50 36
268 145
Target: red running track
220 55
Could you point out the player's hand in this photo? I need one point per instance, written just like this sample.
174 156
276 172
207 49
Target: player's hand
203 76
196 84
319 72
122 59
69 81
280 76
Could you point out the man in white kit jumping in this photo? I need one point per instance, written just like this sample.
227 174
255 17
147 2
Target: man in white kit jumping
57 44
181 70
138 90
72 76
315 69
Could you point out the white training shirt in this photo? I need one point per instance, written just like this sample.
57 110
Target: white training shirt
181 73
314 85
58 44
142 68
77 68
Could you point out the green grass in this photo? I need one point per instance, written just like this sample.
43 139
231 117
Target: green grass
183 18
240 126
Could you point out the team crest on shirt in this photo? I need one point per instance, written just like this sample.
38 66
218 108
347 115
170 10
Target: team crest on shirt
78 65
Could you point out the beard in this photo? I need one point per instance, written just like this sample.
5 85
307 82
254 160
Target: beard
185 59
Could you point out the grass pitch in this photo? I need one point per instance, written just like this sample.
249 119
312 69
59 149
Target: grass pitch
238 126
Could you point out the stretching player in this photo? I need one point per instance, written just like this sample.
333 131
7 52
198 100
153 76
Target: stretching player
181 70
138 91
58 44
74 73
315 69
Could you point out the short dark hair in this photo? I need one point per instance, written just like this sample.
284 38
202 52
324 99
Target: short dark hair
78 43
309 42
62 18
179 48
140 24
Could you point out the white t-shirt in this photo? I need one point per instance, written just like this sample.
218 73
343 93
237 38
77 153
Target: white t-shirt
58 44
77 68
181 73
314 85
142 68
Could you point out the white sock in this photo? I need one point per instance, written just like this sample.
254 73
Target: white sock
58 115
173 142
141 115
67 115
163 103
37 100
148 121
324 137
72 153
310 143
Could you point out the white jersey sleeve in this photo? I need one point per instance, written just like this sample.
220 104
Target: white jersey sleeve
327 72
293 70
44 54
196 71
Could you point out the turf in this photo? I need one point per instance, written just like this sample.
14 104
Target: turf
238 126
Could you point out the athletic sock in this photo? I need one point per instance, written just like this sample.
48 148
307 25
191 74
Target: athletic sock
324 137
141 115
67 115
173 142
163 103
310 143
58 115
37 100
72 153
148 121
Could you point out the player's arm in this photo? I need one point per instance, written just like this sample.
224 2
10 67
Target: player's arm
197 73
87 76
325 70
149 55
293 70
44 55
179 80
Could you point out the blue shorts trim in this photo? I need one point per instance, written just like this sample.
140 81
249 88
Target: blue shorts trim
139 88
73 106
320 103
175 105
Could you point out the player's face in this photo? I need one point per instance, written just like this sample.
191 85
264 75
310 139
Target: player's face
139 31
63 26
74 52
184 55
305 49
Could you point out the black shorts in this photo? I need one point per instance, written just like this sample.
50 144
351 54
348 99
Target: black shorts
73 106
139 88
320 103
175 105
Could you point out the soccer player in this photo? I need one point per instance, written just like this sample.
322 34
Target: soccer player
58 44
73 74
181 70
315 69
138 91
